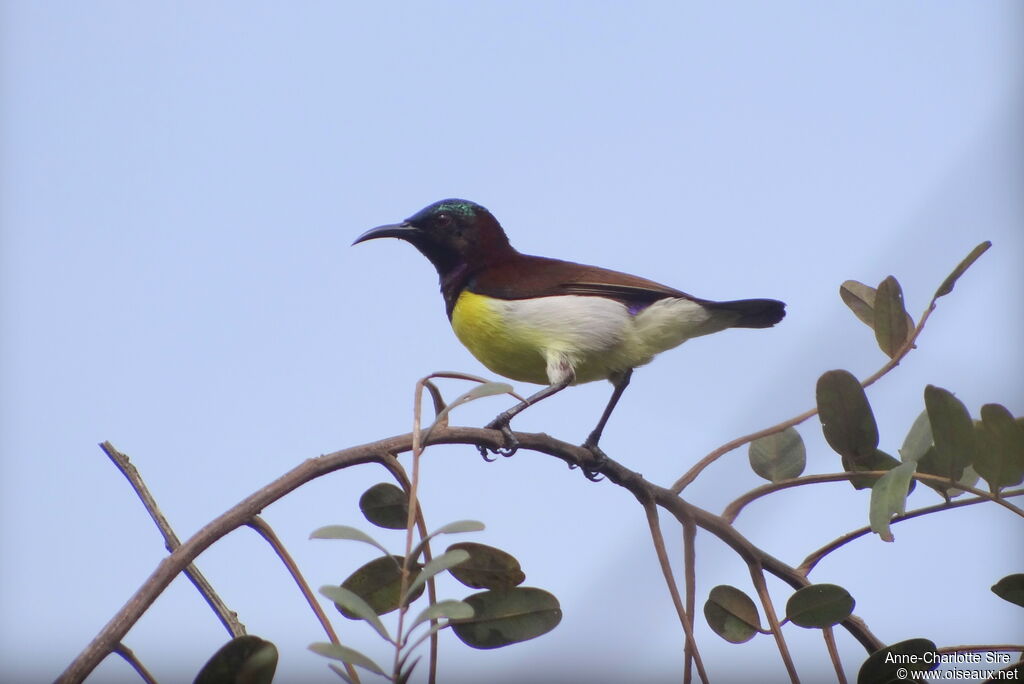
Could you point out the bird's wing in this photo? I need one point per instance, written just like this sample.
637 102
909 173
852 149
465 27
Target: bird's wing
526 277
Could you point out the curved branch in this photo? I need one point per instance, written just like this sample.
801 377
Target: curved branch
375 452
813 559
700 465
733 509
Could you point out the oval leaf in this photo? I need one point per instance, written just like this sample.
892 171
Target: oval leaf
355 605
861 300
846 417
919 440
999 442
385 505
1010 588
457 527
508 617
883 666
452 610
947 285
487 567
819 606
446 560
486 389
953 432
878 461
246 659
345 655
379 584
889 498
731 614
781 456
345 532
892 323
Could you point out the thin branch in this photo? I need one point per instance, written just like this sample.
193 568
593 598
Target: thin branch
757 575
813 559
982 648
376 452
666 568
398 472
690 579
227 616
833 653
263 529
700 465
733 509
129 656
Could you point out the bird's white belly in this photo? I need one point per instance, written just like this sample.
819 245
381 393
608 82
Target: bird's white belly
594 337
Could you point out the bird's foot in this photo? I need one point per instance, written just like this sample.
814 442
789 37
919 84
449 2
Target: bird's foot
511 443
600 459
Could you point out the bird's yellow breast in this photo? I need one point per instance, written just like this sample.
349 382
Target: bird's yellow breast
503 345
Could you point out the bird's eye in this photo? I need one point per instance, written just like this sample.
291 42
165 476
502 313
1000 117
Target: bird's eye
444 220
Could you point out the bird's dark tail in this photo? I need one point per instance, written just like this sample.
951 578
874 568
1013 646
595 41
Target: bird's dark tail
753 313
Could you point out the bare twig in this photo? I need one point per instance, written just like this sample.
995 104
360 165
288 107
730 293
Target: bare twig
227 617
666 568
757 575
376 452
813 559
398 472
690 578
698 467
833 653
267 532
733 509
129 656
982 648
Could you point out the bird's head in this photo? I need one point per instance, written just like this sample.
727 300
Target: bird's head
452 233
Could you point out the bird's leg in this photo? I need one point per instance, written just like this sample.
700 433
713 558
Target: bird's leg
502 420
620 381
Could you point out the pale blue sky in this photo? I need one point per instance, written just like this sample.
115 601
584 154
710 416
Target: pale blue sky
180 186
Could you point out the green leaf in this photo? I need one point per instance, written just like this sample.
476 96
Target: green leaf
385 505
969 479
451 610
379 584
883 666
457 527
487 567
861 300
819 605
355 605
999 441
953 432
345 655
244 660
731 614
446 560
486 389
346 532
947 285
889 498
918 441
777 457
1010 588
891 318
877 461
846 417
508 617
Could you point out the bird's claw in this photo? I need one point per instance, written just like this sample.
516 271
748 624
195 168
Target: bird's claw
600 459
511 443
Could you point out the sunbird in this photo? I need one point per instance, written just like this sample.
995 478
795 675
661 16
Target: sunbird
551 322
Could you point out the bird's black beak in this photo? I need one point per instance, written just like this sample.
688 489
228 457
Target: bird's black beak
402 231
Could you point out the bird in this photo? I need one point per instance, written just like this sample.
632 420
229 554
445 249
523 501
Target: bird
551 322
